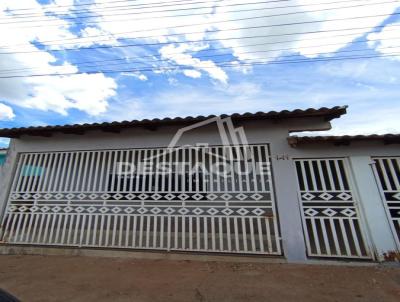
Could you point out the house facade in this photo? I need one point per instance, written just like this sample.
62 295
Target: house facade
241 184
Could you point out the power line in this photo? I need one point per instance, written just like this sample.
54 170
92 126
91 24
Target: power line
121 1
127 59
197 24
125 9
206 40
130 32
230 64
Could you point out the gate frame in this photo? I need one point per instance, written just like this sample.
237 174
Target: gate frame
364 230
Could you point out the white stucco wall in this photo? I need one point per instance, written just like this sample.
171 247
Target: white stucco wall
258 132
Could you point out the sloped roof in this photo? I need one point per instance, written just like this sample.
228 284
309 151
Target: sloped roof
326 113
344 139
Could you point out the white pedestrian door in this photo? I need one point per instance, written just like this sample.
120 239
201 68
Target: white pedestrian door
99 199
331 221
388 175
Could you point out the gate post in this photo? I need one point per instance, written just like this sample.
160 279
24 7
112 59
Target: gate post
288 208
6 176
370 202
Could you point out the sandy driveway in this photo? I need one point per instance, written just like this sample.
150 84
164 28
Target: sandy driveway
58 278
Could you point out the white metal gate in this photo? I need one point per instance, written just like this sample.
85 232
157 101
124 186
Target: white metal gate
88 198
330 217
388 172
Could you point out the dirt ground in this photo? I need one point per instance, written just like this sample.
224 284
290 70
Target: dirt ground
58 278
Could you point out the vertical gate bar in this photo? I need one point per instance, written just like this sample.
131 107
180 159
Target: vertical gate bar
204 170
114 229
211 169
335 238
144 171
108 225
127 229
71 229
88 229
58 227
235 224
13 218
151 174
148 224
393 173
176 227
386 182
171 170
103 217
125 157
260 234
57 172
331 181
246 166
345 238
339 174
32 217
37 174
225 174
183 232
198 233
79 172
156 171
76 230
82 229
239 172
260 163
77 158
315 236
108 171
25 171
31 172
134 231
138 170
352 222
228 233
18 176
244 235
61 185
325 237
118 176
162 231
313 173
321 176
213 233
133 170
221 235
66 185
229 152
121 229
304 176
253 168
113 169
141 230
163 172
169 233
66 218
46 228
269 234
183 178
95 186
190 233
205 222
155 229
190 163
252 239
25 218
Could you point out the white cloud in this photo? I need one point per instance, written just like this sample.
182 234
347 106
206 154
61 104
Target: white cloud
6 113
387 41
191 73
85 92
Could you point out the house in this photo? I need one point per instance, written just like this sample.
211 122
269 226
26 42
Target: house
239 184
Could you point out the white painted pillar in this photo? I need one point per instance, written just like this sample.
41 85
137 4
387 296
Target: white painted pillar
371 204
285 181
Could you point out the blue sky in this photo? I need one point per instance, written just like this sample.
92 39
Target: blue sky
198 86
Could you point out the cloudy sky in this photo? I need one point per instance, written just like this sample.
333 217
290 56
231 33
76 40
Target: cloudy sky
66 61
